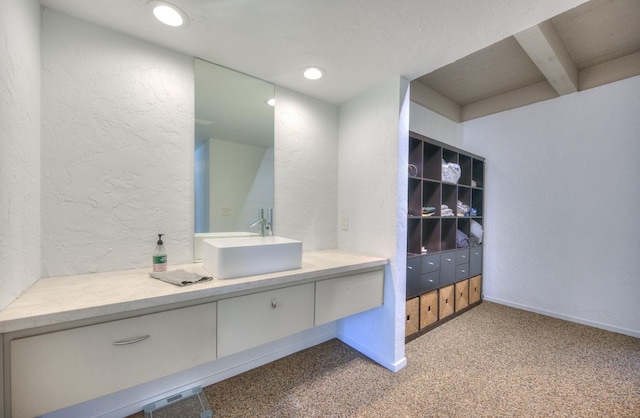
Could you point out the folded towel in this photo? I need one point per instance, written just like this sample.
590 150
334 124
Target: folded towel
179 277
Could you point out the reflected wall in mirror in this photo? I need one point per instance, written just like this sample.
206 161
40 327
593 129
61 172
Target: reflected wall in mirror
233 150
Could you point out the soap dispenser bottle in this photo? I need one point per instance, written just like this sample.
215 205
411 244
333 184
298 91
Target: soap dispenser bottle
160 256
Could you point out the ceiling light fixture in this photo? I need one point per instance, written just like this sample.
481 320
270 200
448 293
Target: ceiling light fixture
168 13
313 73
271 102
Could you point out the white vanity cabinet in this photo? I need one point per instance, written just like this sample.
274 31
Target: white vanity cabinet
249 321
344 296
63 368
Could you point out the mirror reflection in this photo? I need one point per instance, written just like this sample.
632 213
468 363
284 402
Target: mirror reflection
233 149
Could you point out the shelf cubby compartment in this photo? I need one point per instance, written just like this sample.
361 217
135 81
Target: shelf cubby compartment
431 195
450 196
478 173
413 237
414 198
477 200
465 169
415 154
431 234
464 225
464 195
432 162
448 234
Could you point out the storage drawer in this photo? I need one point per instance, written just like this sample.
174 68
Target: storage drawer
475 289
413 277
430 263
249 321
462 271
475 261
413 317
60 369
428 308
462 295
462 256
348 295
446 297
447 268
429 281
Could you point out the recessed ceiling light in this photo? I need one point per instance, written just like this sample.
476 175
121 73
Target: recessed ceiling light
271 102
168 13
313 73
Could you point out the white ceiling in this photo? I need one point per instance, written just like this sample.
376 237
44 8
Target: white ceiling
359 43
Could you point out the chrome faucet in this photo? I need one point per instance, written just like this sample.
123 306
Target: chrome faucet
266 224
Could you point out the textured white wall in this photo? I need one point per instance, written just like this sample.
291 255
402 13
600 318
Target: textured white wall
563 188
19 147
117 149
372 193
306 170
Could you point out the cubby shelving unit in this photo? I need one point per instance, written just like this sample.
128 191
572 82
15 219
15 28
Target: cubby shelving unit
444 278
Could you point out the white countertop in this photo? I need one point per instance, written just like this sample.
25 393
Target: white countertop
62 299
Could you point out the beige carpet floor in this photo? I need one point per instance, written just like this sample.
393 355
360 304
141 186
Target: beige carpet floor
492 361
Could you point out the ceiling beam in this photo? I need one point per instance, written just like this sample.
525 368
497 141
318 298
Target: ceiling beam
433 100
546 49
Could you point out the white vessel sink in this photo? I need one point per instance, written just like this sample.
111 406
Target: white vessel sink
229 258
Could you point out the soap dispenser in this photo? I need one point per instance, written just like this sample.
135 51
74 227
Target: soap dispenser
160 256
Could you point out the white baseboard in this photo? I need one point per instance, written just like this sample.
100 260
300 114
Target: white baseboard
384 362
569 318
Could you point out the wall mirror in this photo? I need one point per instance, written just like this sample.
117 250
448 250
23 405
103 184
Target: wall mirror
234 123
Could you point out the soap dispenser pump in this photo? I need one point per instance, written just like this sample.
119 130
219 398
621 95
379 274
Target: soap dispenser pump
160 256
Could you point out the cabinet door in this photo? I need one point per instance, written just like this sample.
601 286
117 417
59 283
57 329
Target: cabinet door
413 277
249 321
345 296
447 268
475 261
60 369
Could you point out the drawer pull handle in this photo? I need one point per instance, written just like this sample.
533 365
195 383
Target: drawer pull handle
274 303
430 281
430 263
410 268
448 259
132 341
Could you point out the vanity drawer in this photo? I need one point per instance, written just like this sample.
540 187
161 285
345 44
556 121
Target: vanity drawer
462 271
344 296
475 261
462 256
447 268
430 263
429 281
60 369
249 321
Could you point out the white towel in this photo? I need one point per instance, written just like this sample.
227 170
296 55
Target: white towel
179 277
